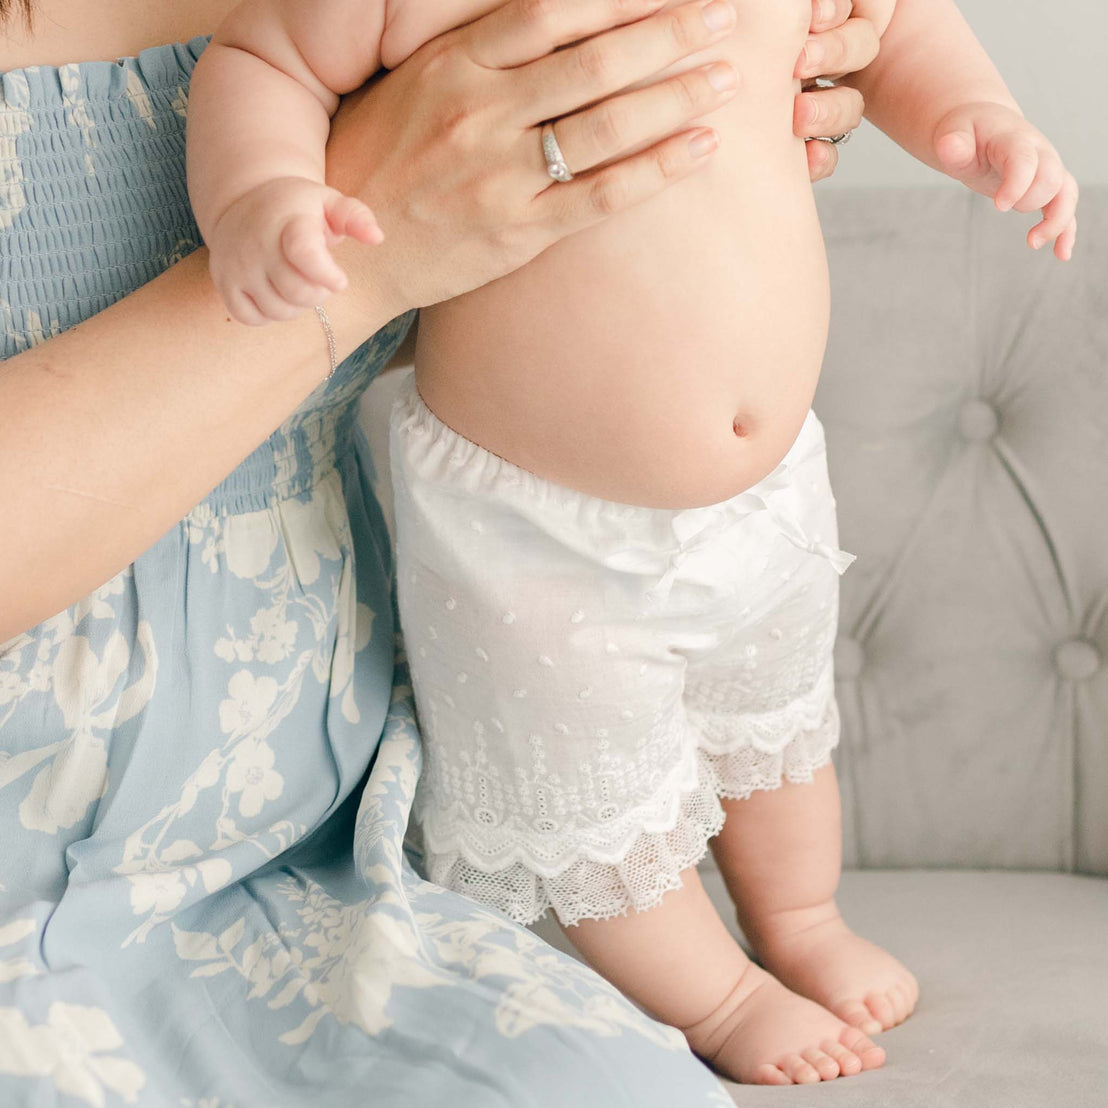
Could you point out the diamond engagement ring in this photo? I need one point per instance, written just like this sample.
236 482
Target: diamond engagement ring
551 151
835 139
818 84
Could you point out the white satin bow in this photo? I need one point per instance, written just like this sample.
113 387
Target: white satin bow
695 528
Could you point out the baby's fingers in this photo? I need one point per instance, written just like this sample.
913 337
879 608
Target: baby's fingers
1046 184
348 217
264 295
1063 248
294 288
303 246
1018 161
1058 219
243 309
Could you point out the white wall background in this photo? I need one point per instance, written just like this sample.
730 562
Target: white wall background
1053 55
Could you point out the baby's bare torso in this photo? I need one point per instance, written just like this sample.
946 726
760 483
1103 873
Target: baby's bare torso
668 356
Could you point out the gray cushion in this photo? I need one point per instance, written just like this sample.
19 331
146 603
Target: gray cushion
965 399
1013 973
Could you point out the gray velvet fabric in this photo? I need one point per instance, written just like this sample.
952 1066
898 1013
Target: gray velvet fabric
1013 972
965 399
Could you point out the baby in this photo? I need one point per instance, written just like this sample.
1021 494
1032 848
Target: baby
617 543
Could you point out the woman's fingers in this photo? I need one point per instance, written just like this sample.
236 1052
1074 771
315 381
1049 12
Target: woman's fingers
827 112
842 50
568 79
571 206
619 126
823 159
829 13
525 30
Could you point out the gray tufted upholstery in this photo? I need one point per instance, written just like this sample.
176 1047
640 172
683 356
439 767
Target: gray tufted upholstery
965 399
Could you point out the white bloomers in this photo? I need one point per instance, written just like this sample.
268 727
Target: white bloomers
591 677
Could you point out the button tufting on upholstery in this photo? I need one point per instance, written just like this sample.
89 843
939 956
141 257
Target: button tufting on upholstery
849 658
1076 659
978 420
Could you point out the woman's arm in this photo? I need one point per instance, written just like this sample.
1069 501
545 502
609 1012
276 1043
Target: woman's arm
115 429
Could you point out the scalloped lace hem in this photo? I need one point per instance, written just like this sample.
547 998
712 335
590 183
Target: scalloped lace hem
652 864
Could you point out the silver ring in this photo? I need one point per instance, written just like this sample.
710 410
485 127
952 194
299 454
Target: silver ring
835 140
552 152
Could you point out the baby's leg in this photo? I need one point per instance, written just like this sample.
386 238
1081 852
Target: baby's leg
549 670
780 853
680 963
766 707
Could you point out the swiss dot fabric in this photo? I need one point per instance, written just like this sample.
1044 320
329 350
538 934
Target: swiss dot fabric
591 677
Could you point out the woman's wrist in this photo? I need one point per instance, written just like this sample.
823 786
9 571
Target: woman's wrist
368 302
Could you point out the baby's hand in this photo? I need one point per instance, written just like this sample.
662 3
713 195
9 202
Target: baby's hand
996 152
270 250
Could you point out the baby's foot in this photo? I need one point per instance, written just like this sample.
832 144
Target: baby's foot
814 953
763 1034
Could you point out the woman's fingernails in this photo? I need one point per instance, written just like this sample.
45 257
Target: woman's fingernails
813 112
722 77
813 54
718 16
703 143
826 10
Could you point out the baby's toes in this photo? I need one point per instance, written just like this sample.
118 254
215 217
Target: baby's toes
857 1015
821 1062
848 1062
898 994
869 1053
798 1070
770 1075
881 1005
905 994
911 990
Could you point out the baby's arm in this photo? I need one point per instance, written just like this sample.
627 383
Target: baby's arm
261 102
934 91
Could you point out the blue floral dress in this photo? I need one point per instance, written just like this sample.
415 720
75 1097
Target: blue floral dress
207 765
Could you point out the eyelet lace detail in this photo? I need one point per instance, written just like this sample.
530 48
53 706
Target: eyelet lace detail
635 859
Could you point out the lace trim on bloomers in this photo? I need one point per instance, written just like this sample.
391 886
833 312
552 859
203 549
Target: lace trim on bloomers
635 871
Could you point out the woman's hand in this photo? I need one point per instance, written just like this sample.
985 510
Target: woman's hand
838 45
446 148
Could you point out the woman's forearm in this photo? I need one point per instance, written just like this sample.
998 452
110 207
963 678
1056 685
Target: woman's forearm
112 431
930 62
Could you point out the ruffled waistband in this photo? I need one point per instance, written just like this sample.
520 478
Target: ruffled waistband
654 542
